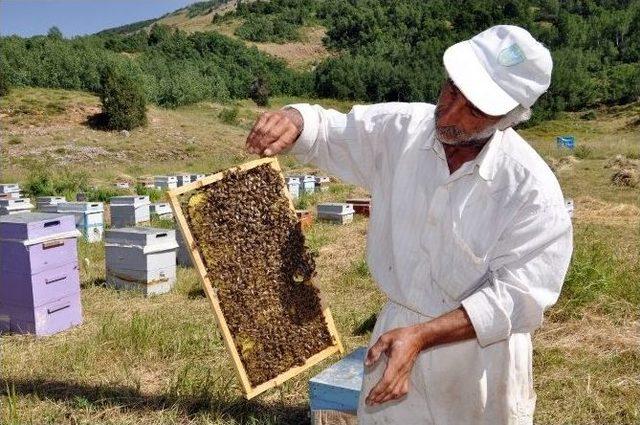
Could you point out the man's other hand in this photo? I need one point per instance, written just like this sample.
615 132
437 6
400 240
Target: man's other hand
275 132
401 346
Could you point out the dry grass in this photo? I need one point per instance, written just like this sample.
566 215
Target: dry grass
160 360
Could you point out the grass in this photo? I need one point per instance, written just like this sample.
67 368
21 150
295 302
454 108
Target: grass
160 360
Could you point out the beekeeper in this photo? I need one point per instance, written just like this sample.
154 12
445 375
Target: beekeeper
469 237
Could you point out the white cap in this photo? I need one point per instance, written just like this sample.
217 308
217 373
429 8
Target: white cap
500 68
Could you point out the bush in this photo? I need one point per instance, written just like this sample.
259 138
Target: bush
154 194
43 182
123 98
4 83
229 115
583 152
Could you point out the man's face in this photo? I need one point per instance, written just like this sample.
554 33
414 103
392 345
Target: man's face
458 121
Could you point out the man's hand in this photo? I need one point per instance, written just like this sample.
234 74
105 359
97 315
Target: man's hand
401 346
274 132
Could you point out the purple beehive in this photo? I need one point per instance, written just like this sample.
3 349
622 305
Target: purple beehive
39 277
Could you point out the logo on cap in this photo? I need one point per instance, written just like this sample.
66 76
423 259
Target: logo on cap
512 55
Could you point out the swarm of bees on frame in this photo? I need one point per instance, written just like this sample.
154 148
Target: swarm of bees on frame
253 249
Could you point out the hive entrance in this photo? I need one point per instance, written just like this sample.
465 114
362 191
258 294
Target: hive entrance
251 249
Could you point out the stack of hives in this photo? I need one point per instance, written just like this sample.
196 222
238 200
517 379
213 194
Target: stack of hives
39 278
183 179
141 259
361 205
293 186
89 218
322 183
128 211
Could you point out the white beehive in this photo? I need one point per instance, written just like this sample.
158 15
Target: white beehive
122 185
15 206
196 177
141 258
183 179
336 212
129 210
6 188
161 210
293 185
166 182
49 204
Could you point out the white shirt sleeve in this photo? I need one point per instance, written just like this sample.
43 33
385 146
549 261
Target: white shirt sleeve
527 270
343 144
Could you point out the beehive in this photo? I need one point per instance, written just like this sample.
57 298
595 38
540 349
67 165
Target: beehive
305 218
10 188
161 210
39 277
361 205
322 183
337 388
122 185
268 310
49 204
183 179
307 183
89 218
129 211
336 212
166 182
141 259
196 177
182 255
15 206
293 186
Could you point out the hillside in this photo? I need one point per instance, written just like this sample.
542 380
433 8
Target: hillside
158 360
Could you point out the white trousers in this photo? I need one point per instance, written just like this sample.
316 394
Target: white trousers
455 384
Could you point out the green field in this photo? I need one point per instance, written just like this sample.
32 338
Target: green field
160 360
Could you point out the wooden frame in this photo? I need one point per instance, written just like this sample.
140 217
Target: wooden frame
248 390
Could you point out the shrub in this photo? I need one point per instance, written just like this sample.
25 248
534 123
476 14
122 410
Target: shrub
260 91
583 152
43 182
229 115
123 97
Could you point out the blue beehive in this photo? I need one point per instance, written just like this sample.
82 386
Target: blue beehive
338 386
89 218
565 142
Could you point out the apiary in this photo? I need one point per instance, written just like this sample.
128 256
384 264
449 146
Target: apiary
49 204
89 218
165 182
335 212
268 310
337 388
183 179
129 211
122 185
196 177
569 205
161 210
305 218
361 205
322 183
141 259
15 206
39 277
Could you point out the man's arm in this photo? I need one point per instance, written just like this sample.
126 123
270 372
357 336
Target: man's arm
402 346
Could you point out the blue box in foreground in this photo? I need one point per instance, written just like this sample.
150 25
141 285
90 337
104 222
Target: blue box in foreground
338 386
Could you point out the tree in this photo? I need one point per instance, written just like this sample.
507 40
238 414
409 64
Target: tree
54 32
260 91
4 83
122 96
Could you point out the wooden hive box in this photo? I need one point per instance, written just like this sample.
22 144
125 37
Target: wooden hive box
189 199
